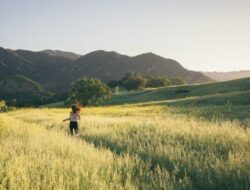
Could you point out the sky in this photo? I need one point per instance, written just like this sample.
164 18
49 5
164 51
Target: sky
203 35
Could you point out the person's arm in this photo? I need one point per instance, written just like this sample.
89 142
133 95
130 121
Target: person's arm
79 117
67 118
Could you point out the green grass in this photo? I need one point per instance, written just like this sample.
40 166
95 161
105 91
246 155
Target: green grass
240 87
223 100
194 141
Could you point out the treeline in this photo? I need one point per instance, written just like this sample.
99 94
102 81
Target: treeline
86 91
25 99
134 81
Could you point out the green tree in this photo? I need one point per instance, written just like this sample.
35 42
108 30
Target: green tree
89 90
158 82
133 81
177 81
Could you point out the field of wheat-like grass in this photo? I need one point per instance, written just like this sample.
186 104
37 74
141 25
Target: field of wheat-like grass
122 147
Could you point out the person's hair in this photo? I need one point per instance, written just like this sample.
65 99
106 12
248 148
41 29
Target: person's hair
75 108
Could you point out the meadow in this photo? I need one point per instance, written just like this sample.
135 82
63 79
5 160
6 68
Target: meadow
169 138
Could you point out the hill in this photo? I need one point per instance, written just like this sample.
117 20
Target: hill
13 64
19 91
49 71
111 65
219 93
224 76
56 70
222 100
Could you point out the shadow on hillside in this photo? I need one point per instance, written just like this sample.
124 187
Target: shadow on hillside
227 106
122 149
219 107
240 114
228 89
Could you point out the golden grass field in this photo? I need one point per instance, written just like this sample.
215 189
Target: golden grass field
122 147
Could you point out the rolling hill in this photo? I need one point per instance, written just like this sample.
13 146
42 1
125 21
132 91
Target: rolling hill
224 76
20 90
219 93
12 64
111 65
221 100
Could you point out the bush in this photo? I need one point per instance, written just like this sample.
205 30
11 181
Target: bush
3 106
182 91
115 90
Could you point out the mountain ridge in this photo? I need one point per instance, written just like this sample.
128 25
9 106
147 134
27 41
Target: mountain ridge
56 73
66 54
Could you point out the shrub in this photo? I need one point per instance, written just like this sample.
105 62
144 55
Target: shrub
3 106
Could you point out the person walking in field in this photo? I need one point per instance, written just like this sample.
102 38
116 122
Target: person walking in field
73 118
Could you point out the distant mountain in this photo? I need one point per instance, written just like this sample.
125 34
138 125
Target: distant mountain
47 70
111 65
58 53
224 76
56 70
20 90
13 64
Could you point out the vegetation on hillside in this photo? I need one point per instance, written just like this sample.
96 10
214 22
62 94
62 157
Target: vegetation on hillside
135 81
19 90
3 106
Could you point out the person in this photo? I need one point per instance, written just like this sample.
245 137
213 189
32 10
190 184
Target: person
73 118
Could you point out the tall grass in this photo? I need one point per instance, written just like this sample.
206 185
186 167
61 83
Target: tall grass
122 147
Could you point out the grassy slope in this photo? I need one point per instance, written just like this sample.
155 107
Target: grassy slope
224 100
221 91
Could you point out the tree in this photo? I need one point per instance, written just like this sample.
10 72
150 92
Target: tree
177 81
158 82
89 90
134 81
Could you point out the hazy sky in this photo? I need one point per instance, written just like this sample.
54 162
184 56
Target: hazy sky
207 35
